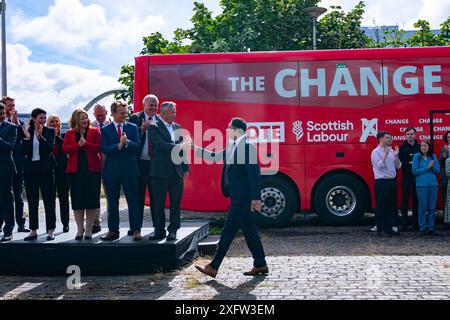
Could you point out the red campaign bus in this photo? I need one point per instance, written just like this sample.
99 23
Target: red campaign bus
324 108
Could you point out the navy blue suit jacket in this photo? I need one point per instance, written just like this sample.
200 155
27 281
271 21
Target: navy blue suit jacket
8 134
120 162
241 175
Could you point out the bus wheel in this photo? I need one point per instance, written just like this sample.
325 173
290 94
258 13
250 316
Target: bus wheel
278 202
340 199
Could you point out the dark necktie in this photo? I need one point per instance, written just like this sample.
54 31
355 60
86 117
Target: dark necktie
101 126
119 130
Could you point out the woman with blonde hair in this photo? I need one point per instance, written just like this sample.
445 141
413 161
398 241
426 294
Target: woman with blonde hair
61 179
84 164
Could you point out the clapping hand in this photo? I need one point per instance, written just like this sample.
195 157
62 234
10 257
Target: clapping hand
82 141
26 133
14 118
124 139
38 130
431 164
396 150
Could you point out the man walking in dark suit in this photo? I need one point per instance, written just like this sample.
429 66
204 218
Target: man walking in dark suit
240 182
143 120
166 171
8 134
120 143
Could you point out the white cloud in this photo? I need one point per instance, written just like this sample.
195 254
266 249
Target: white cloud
57 88
71 25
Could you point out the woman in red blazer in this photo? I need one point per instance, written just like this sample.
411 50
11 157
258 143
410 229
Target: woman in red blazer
84 165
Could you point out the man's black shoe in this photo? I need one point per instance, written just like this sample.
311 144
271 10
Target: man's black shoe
6 237
96 229
110 236
130 233
172 236
157 236
22 229
393 233
65 229
383 234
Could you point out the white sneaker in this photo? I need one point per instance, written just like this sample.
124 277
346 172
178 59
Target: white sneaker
395 229
374 229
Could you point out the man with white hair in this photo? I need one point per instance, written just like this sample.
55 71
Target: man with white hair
143 120
100 115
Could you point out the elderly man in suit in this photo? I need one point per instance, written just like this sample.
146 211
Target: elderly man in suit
100 121
143 120
120 143
167 173
240 182
8 134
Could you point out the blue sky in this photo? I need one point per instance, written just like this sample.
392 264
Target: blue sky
62 53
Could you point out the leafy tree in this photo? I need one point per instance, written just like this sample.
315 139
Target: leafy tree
424 37
443 38
340 30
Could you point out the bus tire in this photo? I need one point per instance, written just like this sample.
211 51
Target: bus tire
340 199
279 202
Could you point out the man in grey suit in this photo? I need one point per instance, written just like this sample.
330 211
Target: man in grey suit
8 134
167 175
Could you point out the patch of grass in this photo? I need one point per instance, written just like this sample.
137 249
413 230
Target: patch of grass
192 283
214 231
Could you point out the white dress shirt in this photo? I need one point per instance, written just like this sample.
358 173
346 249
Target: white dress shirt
170 129
144 153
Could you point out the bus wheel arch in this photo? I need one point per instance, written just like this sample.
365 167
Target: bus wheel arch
278 192
341 197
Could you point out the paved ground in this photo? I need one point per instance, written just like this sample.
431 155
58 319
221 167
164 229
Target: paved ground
307 260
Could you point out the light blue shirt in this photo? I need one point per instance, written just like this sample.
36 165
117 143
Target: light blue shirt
425 177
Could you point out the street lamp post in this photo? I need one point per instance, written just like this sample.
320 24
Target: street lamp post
314 13
3 11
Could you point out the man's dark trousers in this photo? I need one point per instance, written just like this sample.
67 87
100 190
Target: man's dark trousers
174 186
385 206
408 188
240 217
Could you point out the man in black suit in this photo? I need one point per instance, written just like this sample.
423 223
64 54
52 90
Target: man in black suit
168 169
8 134
240 182
143 120
19 161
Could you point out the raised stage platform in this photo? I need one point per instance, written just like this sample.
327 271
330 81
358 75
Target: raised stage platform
97 257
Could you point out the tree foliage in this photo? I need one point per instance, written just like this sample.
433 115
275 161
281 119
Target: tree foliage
340 30
266 25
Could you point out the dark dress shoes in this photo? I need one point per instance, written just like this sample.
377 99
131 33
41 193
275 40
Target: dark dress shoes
157 236
172 236
208 270
110 236
130 233
6 237
30 238
65 229
22 229
87 237
79 237
137 236
50 238
96 229
257 270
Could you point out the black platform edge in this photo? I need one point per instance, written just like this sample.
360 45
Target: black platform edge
121 257
208 245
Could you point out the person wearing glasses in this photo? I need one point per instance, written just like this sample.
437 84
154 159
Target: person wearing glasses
143 120
241 182
120 144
